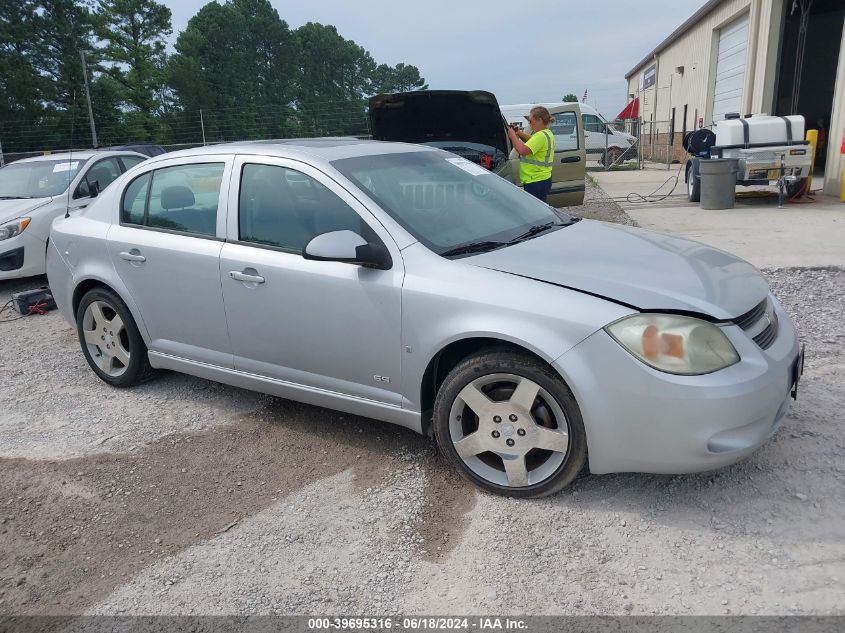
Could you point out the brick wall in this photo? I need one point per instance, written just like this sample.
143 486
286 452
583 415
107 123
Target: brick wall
656 147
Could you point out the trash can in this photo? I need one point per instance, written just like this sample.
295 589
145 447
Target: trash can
718 182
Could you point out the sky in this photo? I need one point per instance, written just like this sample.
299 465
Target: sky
520 51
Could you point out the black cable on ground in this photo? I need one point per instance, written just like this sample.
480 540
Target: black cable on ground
634 197
6 307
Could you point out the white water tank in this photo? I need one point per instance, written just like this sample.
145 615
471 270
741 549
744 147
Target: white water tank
762 129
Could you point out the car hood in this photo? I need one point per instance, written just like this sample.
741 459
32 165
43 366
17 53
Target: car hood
427 116
641 269
11 209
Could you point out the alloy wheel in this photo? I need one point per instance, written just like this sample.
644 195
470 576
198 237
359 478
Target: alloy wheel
106 338
508 430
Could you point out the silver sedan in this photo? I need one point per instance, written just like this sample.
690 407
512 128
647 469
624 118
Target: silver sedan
406 284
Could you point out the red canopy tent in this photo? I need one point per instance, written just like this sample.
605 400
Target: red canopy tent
630 111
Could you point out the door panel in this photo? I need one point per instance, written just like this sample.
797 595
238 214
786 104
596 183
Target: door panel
325 325
172 274
570 160
177 288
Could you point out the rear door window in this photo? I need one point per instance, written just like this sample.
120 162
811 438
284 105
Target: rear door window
184 198
135 200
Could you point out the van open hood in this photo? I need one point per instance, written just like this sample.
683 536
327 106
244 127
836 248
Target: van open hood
428 116
641 269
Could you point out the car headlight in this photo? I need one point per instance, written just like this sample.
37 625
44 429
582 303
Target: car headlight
675 344
15 227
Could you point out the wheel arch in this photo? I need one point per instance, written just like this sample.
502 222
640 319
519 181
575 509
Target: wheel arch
90 283
455 351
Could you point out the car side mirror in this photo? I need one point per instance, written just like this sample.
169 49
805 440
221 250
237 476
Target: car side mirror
347 247
94 188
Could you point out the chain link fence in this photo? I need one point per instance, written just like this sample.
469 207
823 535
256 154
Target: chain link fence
660 143
181 129
625 144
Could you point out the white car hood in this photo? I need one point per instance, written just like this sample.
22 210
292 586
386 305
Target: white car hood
641 269
11 209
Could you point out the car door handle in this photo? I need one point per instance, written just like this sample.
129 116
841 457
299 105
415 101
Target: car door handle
571 159
239 276
132 257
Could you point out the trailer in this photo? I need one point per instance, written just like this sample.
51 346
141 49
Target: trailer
768 150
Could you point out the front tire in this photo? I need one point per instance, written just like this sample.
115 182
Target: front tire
510 425
611 156
110 339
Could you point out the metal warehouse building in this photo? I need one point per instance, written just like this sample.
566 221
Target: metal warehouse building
748 56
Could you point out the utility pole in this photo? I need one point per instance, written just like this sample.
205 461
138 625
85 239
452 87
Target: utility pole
2 160
88 97
202 125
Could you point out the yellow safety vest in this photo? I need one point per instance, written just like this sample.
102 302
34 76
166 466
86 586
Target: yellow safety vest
538 165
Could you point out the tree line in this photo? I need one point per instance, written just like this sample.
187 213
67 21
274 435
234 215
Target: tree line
238 63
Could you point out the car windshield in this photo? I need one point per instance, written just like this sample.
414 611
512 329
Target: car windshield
37 179
447 202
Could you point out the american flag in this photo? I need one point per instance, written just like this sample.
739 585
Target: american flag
584 98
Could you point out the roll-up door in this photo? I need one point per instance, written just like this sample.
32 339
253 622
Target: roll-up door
730 68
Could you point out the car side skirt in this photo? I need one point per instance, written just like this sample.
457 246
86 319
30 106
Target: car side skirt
291 391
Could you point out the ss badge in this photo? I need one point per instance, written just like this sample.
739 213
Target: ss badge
378 378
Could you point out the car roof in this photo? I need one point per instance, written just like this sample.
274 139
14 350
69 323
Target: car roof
81 155
323 149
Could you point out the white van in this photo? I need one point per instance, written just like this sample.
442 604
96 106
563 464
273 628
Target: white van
618 143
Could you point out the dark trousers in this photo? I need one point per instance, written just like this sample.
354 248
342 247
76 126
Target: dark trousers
539 189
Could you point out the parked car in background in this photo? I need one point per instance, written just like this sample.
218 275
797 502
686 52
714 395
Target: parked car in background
407 284
147 149
603 142
470 124
34 192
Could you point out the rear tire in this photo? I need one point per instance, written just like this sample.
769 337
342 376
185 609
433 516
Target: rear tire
793 188
110 339
527 441
693 186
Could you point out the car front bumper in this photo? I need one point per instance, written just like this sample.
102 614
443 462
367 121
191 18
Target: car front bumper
639 419
21 256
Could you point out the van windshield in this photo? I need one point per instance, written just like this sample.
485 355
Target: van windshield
37 179
447 202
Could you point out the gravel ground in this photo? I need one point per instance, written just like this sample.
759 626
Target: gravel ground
187 497
599 206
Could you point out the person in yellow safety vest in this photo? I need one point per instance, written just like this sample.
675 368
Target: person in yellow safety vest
536 153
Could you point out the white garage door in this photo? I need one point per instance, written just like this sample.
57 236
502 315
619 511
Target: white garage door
730 68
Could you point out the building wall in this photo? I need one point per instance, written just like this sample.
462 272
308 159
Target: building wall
695 50
836 129
769 35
